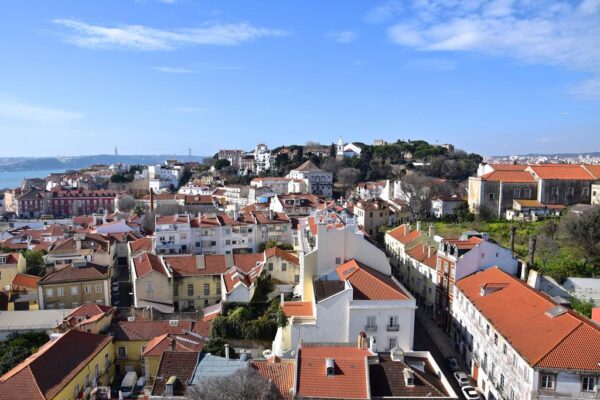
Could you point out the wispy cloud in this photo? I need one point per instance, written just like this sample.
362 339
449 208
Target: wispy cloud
342 37
144 38
174 70
535 32
384 12
431 64
13 109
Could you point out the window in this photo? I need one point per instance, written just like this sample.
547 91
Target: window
98 288
585 192
205 302
338 260
571 191
547 381
392 342
97 372
270 266
206 289
60 292
87 289
121 353
555 191
526 193
86 381
501 382
74 304
283 266
149 287
76 391
588 384
492 196
517 193
175 290
218 290
74 290
504 348
190 289
495 339
296 278
371 323
106 361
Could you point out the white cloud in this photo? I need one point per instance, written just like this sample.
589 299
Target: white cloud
536 32
384 12
144 38
174 70
342 37
13 109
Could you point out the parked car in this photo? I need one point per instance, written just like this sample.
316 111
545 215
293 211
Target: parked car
452 364
128 384
461 378
470 393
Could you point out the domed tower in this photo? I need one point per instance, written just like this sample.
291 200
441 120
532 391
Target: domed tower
339 153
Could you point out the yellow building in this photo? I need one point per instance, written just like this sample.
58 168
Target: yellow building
11 264
132 338
75 285
23 293
62 369
188 342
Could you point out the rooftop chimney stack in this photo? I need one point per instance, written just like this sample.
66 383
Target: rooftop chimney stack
227 351
419 226
431 232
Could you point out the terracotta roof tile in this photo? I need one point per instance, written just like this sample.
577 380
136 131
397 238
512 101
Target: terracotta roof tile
519 313
369 284
179 364
73 274
561 171
404 235
280 373
25 281
509 176
349 380
147 330
193 265
286 255
297 308
148 262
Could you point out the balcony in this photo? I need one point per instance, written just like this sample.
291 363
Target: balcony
370 328
392 328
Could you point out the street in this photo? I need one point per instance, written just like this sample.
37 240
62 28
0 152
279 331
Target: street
424 342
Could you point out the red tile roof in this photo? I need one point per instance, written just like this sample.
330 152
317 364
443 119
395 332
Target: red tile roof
297 308
561 171
143 244
286 255
147 330
404 235
192 265
70 273
509 176
280 373
594 170
369 284
87 313
519 313
183 343
349 380
11 258
45 373
148 262
25 281
175 363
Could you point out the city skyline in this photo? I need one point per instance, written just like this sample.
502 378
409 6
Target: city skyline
213 75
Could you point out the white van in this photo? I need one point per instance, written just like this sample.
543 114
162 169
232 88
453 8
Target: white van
128 384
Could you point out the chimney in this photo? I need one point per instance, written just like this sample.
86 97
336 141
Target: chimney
362 340
330 366
151 199
227 351
282 300
524 271
78 243
419 226
513 230
431 232
270 214
428 251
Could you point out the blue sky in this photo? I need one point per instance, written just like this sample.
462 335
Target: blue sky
159 76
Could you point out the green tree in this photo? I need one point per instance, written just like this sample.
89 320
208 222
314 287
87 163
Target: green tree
35 262
220 164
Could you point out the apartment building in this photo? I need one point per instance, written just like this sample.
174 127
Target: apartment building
74 285
399 240
233 156
458 258
345 287
520 344
296 205
61 202
263 159
173 234
64 368
11 264
87 247
152 282
369 190
196 280
318 181
371 214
